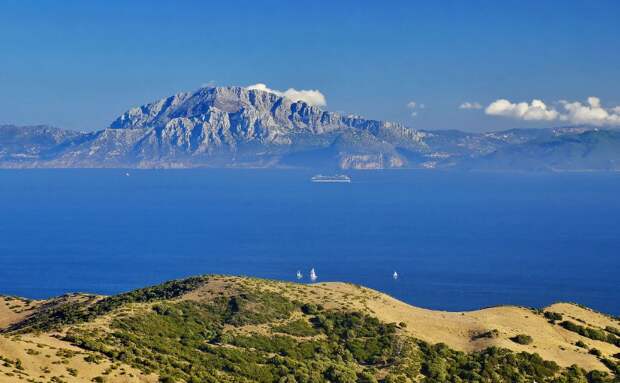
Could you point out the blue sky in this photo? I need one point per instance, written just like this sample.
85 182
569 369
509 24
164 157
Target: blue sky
79 64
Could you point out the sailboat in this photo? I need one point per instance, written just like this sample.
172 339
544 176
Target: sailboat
313 276
395 275
299 276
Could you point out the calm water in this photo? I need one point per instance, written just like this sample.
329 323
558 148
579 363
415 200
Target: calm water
459 241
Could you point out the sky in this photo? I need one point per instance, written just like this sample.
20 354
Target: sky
469 65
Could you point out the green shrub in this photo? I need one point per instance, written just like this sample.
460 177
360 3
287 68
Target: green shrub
553 316
310 309
366 377
486 335
52 316
613 330
296 328
340 374
592 333
522 339
188 341
252 308
581 344
595 352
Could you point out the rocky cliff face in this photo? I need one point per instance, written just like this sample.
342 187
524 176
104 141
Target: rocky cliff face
224 126
240 127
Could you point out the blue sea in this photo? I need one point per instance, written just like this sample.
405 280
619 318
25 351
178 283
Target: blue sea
459 241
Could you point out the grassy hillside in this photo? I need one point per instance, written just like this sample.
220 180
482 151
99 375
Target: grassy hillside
231 329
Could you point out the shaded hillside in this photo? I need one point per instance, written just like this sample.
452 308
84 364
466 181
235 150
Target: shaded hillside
230 329
590 150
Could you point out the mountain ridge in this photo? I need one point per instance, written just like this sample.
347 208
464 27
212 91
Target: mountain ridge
240 127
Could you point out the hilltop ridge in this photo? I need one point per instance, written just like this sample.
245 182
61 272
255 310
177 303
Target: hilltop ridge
193 329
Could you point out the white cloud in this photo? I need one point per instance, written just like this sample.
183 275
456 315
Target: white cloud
310 97
591 113
574 112
414 106
534 111
470 105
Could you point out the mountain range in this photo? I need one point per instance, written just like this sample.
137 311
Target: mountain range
240 127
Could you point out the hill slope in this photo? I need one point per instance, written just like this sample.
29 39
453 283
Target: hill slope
590 150
231 329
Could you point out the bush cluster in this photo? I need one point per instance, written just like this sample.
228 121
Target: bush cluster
207 342
522 339
592 333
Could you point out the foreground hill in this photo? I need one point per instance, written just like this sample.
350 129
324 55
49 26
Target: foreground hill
241 127
232 329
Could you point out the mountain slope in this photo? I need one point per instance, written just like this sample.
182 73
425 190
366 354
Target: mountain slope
589 150
24 143
230 329
232 126
240 127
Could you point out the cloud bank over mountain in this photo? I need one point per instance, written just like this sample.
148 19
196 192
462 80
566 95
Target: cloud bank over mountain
309 96
573 112
534 111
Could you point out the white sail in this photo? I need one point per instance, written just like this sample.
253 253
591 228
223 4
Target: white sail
395 275
299 275
313 276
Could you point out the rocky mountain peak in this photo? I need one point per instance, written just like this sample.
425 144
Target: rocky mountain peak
197 106
240 127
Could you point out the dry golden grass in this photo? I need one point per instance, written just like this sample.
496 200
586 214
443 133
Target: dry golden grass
456 329
42 357
14 309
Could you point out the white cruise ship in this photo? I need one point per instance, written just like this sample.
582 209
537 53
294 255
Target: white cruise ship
339 178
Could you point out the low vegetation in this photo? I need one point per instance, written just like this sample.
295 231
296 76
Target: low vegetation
73 311
592 333
298 328
255 334
491 334
522 339
553 316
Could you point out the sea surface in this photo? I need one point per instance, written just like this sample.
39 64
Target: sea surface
458 241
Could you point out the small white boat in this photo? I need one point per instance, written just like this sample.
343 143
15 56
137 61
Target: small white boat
313 276
299 275
395 275
127 174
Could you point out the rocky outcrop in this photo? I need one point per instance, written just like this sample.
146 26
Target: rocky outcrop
240 127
